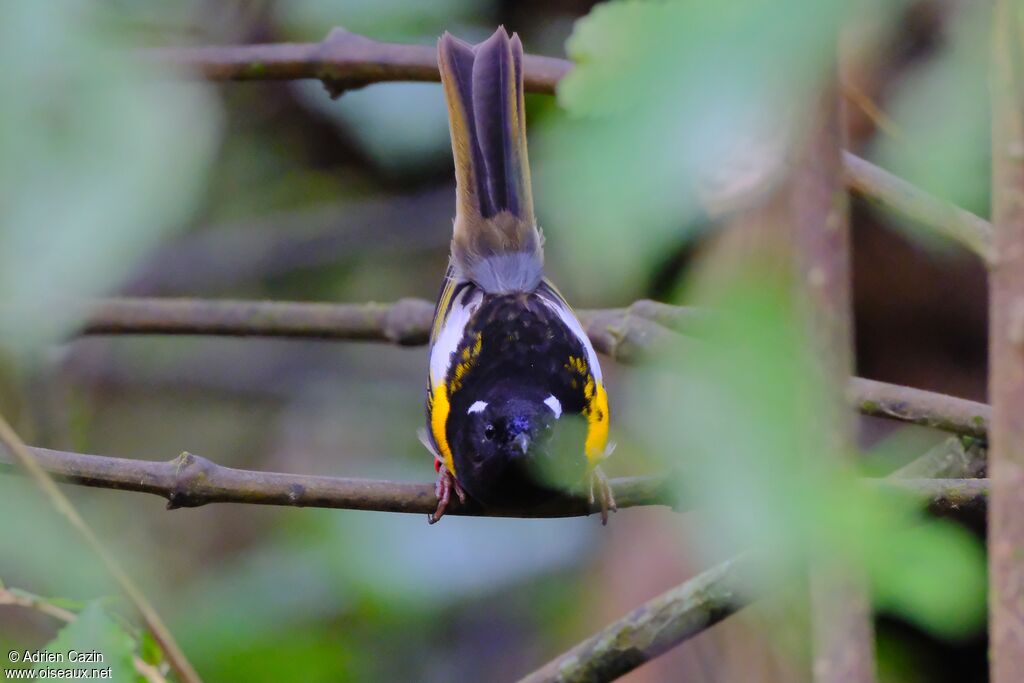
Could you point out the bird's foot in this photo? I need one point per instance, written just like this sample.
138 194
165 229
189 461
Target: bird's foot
446 483
599 481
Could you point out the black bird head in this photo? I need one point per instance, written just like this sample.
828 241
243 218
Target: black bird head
514 444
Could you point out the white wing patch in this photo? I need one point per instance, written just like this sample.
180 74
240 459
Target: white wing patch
555 405
555 302
478 407
462 309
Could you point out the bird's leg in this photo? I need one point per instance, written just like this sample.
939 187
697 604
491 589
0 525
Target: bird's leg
446 483
604 492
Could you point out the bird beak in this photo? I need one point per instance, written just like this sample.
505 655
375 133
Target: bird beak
523 441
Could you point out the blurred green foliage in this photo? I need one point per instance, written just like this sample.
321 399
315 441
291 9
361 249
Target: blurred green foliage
100 155
391 20
942 117
773 484
662 93
94 631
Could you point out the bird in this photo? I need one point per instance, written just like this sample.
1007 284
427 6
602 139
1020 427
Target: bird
516 405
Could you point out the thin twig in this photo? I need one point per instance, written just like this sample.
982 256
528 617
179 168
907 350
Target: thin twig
917 406
897 195
39 604
13 444
30 601
345 60
192 481
863 101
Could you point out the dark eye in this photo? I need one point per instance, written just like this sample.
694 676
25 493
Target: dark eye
489 432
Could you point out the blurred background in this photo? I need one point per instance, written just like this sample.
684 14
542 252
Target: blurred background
118 176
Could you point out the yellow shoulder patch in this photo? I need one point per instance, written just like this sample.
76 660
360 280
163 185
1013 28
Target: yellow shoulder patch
439 409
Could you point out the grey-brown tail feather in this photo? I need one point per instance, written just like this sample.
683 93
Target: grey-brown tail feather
496 112
496 240
456 58
488 81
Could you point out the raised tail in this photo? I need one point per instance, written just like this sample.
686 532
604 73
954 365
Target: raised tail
496 243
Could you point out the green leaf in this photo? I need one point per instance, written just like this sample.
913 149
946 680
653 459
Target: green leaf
95 631
150 650
100 155
663 96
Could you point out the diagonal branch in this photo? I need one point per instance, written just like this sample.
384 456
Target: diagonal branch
897 195
692 607
23 457
20 598
656 626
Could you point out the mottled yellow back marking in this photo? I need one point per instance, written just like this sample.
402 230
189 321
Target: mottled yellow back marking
595 409
596 413
468 359
577 365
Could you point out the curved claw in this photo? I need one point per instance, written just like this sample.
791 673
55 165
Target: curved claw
446 483
604 492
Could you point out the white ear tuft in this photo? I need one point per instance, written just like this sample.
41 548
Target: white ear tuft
555 405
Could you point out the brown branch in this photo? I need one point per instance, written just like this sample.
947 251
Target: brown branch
685 611
1006 348
24 458
897 195
346 60
917 406
342 61
655 626
626 334
192 481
